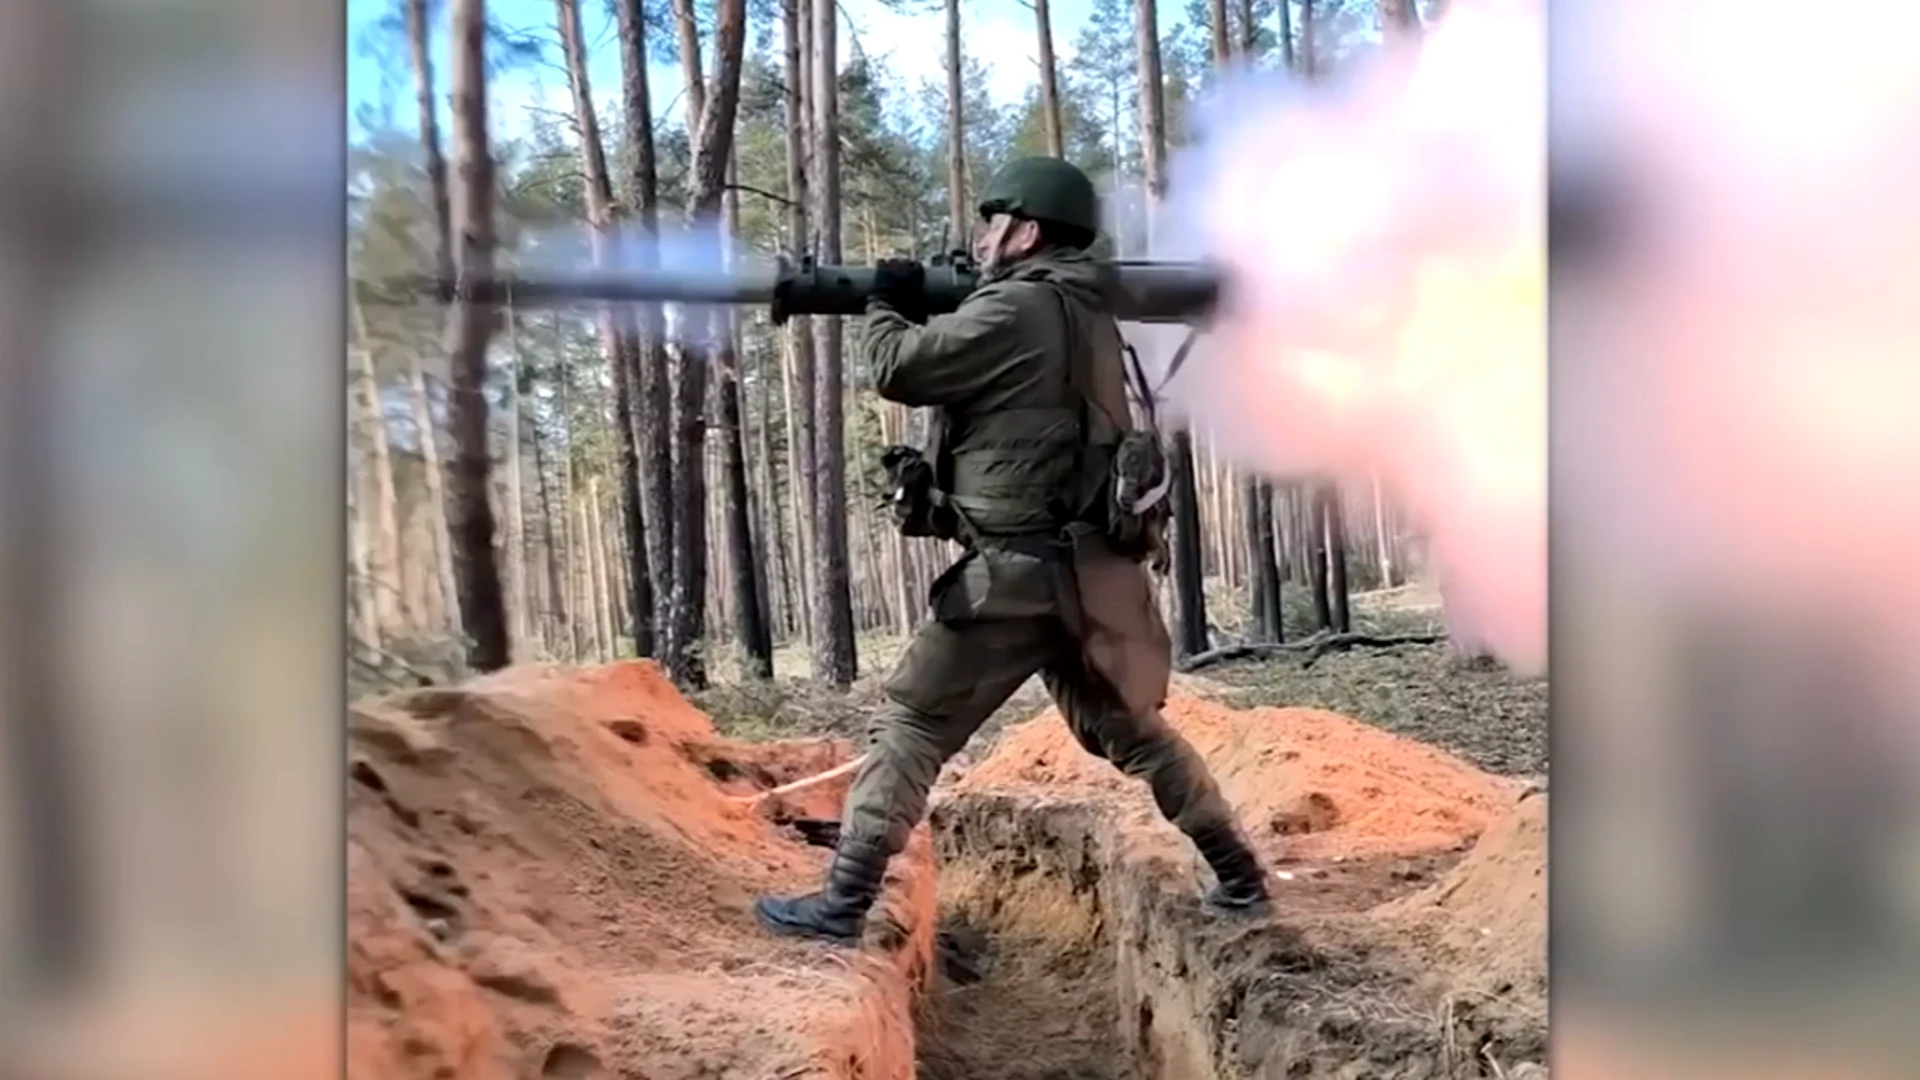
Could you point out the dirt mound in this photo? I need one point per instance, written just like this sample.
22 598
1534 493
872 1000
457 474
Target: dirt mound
1486 919
551 872
1309 785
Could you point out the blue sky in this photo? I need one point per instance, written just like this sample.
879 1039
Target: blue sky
999 32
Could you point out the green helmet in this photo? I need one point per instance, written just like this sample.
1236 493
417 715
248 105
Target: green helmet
1044 189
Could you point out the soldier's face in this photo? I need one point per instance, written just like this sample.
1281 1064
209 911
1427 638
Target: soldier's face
1003 238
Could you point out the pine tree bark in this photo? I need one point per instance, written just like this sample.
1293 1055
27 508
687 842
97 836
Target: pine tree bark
418 38
1317 557
1309 65
687 24
599 581
1153 103
773 533
519 607
712 148
1383 545
1221 33
800 474
1191 636
1266 581
797 370
557 629
957 215
1249 30
1049 82
386 599
1263 571
651 383
1338 592
618 339
749 615
1287 58
834 658
471 196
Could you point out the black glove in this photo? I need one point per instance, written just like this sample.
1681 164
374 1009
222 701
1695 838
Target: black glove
900 284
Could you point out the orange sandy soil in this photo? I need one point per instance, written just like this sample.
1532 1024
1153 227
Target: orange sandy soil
1322 796
1309 786
550 874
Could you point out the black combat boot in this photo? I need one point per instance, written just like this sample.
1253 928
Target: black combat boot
1240 882
839 912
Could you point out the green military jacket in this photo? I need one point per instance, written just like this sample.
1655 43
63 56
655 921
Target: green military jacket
1028 359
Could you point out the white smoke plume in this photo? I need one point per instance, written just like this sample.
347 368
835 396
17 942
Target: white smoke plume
1385 241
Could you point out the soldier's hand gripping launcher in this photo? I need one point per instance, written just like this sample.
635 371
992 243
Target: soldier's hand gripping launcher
1140 291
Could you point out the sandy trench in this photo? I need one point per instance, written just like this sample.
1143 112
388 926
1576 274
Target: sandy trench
551 871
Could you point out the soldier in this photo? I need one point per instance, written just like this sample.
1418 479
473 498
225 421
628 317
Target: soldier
1028 381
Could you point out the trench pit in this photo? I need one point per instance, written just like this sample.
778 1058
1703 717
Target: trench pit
1072 946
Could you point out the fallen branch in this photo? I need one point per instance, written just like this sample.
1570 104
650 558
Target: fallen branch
360 651
805 782
1314 648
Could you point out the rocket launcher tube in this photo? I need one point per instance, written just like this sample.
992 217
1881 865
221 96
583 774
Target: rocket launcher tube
1142 291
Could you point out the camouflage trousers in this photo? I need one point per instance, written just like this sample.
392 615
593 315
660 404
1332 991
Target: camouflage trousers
956 674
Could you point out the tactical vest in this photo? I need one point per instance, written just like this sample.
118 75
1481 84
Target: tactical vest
1029 472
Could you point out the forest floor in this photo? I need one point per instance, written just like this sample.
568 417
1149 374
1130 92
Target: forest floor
551 873
1478 710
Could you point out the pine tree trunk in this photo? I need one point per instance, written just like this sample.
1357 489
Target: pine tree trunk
558 630
386 604
1338 593
471 526
446 595
1286 35
1384 547
688 27
1266 580
749 617
1189 585
650 383
712 148
1191 635
834 658
1049 82
363 593
773 533
1309 59
800 479
1317 557
598 579
619 342
1249 30
518 605
797 372
418 39
958 216
1258 532
1222 35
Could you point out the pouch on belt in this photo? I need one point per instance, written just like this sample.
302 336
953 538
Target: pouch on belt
1118 623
